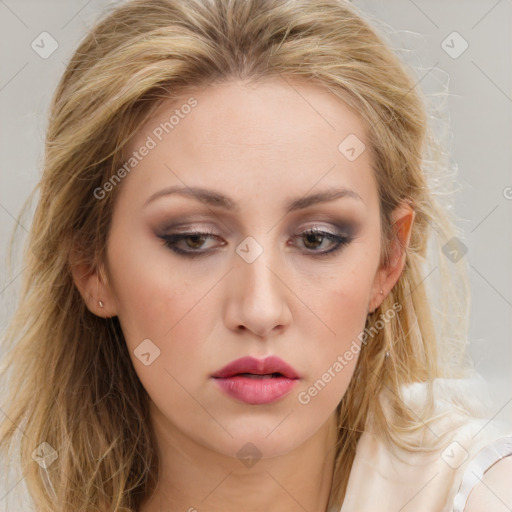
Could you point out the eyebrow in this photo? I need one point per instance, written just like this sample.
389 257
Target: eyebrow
216 199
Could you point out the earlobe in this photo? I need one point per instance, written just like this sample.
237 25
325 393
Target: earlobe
389 272
93 287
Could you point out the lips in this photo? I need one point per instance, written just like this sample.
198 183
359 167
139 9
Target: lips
269 366
257 381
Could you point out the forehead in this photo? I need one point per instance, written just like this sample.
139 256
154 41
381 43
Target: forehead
275 110
243 135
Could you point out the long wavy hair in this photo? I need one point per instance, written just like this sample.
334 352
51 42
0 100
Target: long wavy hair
68 373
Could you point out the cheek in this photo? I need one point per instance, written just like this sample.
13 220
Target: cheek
344 310
170 313
341 300
173 318
340 304
153 298
166 314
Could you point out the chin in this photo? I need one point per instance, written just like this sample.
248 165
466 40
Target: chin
264 438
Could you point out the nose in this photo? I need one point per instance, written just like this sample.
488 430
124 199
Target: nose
258 297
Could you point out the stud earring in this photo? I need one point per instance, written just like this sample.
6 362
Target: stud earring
100 303
381 292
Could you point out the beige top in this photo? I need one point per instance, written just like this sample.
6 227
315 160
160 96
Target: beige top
429 482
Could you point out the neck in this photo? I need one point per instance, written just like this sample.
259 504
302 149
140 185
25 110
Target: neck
194 478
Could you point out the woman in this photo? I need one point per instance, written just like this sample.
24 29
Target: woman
227 263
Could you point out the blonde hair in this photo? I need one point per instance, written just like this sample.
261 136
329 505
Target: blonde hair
70 377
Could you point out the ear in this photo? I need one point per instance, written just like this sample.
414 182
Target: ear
389 271
93 286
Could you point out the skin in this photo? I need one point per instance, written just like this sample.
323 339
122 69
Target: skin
493 493
262 145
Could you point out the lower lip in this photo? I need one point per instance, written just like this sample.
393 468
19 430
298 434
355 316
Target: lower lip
256 391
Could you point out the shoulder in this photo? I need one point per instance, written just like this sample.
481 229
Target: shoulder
494 492
486 482
457 470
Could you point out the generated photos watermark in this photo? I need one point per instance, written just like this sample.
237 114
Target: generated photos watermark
152 141
304 397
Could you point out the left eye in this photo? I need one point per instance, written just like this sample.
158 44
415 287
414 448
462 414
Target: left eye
195 241
315 238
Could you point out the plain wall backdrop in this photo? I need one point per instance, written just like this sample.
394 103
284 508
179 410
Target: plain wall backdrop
465 45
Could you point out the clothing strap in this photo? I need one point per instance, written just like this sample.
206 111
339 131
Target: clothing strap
483 460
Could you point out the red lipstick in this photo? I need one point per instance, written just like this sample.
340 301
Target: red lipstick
257 381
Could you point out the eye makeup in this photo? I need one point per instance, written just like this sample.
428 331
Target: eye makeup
194 243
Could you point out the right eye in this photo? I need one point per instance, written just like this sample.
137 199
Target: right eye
194 240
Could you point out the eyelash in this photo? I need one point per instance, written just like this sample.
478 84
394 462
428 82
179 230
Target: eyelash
171 240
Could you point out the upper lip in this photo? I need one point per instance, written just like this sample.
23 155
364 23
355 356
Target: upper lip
269 365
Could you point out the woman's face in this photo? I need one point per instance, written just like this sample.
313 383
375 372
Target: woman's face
249 166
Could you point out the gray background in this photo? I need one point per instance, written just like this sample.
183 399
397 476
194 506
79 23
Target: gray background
479 106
